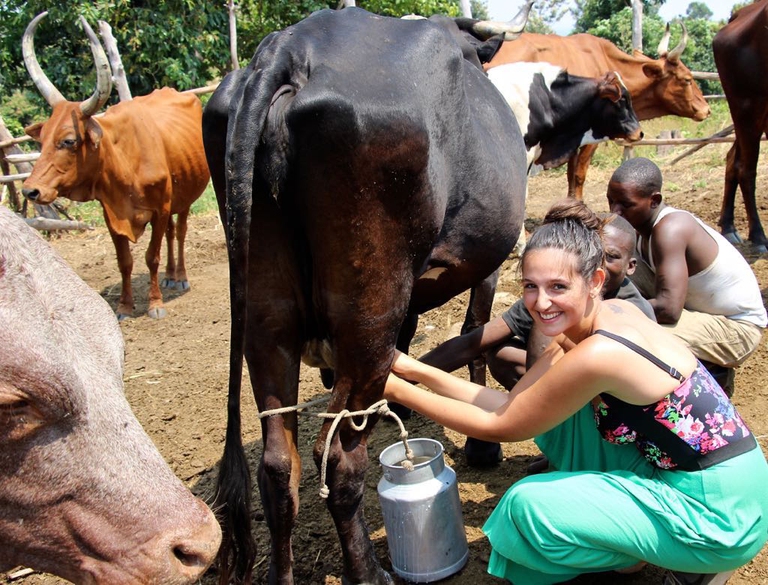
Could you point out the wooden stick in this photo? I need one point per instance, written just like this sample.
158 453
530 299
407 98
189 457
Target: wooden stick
45 224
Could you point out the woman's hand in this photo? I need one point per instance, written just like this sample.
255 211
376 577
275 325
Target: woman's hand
404 365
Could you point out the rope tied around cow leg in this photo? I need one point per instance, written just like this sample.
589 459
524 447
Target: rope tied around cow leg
379 407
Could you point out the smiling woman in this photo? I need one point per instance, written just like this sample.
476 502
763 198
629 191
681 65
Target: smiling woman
621 506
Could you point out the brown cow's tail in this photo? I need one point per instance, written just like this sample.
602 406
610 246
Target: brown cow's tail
249 108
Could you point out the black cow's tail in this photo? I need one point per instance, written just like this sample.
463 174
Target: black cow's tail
248 114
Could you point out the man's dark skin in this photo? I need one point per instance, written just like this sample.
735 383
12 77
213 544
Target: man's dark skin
680 246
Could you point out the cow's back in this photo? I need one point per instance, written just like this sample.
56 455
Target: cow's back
432 121
740 49
581 54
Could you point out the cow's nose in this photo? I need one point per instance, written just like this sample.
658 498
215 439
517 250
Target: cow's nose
193 553
31 194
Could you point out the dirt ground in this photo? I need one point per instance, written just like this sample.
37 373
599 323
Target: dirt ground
176 372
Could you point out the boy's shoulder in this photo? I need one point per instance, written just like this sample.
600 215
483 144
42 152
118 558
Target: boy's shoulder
630 293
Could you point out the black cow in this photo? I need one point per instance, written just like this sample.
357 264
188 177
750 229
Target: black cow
558 112
363 169
741 55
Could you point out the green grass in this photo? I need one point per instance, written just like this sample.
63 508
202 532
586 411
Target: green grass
609 155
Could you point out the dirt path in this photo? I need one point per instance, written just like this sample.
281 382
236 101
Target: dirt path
176 371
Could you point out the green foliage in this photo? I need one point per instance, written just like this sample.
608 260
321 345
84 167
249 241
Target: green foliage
589 12
698 10
176 43
19 110
172 43
206 203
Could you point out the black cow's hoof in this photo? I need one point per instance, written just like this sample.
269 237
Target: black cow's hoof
482 453
382 578
733 237
168 283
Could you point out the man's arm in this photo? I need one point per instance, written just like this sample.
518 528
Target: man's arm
670 240
460 351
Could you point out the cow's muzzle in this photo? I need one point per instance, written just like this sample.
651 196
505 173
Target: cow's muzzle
31 194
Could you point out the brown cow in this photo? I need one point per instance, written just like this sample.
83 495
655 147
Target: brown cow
84 493
143 160
659 87
741 56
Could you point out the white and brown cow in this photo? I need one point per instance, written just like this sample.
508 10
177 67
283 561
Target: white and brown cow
84 493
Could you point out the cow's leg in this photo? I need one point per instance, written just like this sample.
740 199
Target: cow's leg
152 257
407 331
182 283
749 153
480 453
274 338
275 385
578 165
125 264
478 314
727 227
170 265
345 478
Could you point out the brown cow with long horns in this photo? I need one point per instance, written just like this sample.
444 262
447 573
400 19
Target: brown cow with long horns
143 160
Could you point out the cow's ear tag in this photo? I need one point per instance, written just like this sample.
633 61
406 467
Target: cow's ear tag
94 131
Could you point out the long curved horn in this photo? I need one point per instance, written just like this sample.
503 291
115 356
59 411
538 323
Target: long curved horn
664 43
44 86
485 29
103 74
674 54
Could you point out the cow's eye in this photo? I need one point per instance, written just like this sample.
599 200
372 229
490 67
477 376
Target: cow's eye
18 417
68 143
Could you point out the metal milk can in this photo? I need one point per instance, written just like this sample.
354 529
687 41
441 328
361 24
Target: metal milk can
422 512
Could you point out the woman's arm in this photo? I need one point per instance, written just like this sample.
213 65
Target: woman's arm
549 396
446 384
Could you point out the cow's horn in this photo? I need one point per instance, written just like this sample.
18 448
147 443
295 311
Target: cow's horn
485 29
663 43
45 87
674 54
103 74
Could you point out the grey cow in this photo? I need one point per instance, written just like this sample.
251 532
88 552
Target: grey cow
84 493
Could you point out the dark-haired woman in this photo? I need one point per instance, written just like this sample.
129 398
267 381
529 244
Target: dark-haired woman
653 464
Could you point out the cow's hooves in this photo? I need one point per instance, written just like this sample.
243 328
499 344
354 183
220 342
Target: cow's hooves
168 283
733 237
122 317
760 248
182 285
158 313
